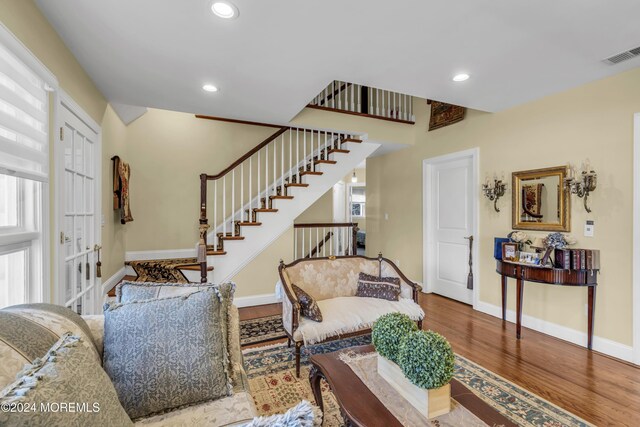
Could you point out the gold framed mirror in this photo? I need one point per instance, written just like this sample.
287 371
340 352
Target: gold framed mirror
540 200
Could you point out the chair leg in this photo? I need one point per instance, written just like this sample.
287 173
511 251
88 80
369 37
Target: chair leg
419 324
298 345
288 342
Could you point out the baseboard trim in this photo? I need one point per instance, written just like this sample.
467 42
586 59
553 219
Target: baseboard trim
108 284
252 300
602 345
159 254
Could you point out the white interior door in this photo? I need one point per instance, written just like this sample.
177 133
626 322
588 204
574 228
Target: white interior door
449 222
78 196
339 202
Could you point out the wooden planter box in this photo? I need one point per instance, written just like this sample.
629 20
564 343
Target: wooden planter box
429 402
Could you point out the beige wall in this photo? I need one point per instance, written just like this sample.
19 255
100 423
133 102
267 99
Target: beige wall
593 121
167 152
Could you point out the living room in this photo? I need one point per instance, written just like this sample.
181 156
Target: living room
139 164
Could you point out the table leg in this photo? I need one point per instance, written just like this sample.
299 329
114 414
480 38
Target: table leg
504 297
314 378
519 293
591 309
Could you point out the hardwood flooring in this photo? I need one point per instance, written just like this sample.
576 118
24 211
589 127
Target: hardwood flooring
602 390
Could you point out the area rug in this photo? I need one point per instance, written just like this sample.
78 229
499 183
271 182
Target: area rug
262 329
161 270
275 388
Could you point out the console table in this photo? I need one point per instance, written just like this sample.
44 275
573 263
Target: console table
549 276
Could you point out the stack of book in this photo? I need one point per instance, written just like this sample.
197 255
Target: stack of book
578 259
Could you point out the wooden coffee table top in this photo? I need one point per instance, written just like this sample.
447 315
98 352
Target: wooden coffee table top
360 407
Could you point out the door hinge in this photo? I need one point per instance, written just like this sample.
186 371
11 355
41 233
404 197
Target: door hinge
62 237
61 133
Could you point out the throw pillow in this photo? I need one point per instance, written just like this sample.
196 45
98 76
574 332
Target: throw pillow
304 414
378 287
135 291
67 387
169 352
308 305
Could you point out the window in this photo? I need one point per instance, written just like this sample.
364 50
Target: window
24 170
357 201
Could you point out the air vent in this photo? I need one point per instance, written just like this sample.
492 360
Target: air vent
616 59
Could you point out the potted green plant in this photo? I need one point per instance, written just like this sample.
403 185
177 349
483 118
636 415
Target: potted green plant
417 364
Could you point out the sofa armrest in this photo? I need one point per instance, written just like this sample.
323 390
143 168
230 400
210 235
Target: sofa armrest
290 305
96 325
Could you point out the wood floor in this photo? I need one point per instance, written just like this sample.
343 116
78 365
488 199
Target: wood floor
602 390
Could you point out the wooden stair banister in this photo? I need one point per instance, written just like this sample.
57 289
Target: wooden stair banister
320 245
267 172
345 234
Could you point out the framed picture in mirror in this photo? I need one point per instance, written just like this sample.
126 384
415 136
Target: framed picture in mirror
540 200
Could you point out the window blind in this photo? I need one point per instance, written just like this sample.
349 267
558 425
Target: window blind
24 112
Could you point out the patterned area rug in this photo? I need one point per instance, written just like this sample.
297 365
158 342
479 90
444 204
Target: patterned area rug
255 331
275 388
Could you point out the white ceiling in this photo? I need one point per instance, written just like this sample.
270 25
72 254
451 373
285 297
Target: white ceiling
278 54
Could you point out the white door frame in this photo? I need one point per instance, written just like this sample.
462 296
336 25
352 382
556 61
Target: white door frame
427 203
65 101
636 239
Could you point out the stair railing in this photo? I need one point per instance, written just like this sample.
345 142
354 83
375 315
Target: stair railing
236 196
364 100
324 239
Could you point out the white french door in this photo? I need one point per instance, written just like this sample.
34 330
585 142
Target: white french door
78 199
449 222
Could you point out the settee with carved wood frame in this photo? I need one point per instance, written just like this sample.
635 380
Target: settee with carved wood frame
333 282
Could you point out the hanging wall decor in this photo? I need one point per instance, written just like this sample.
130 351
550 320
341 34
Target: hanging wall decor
121 174
443 114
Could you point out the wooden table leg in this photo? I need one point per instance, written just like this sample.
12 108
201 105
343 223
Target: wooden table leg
519 293
504 297
591 310
314 378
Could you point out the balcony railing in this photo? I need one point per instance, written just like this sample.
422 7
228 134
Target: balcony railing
367 101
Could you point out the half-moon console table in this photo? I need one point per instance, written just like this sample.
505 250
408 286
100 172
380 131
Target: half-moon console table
550 276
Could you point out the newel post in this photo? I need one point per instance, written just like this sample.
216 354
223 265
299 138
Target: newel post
203 228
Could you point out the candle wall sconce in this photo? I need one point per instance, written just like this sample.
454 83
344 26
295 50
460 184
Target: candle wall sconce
581 183
493 191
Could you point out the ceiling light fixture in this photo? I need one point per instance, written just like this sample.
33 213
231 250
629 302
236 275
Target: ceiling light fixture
209 88
224 10
460 77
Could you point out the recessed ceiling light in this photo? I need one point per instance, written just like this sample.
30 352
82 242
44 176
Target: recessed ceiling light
209 88
224 9
460 77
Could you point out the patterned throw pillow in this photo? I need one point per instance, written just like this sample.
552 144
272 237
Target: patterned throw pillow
308 305
378 287
169 352
127 291
66 387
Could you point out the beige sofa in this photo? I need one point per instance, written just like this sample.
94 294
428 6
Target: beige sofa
333 283
42 320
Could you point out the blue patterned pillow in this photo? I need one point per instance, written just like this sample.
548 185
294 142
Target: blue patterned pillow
135 291
169 352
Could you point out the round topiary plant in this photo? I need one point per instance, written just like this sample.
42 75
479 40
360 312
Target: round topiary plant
388 332
426 358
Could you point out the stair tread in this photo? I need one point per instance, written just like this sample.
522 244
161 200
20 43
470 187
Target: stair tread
194 267
211 252
296 184
351 140
264 210
231 237
339 150
310 173
281 197
326 162
249 224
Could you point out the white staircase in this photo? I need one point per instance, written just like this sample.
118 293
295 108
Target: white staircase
254 201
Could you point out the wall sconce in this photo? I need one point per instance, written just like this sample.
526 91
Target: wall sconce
494 191
354 178
582 183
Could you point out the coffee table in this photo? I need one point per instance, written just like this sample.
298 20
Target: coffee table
360 407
